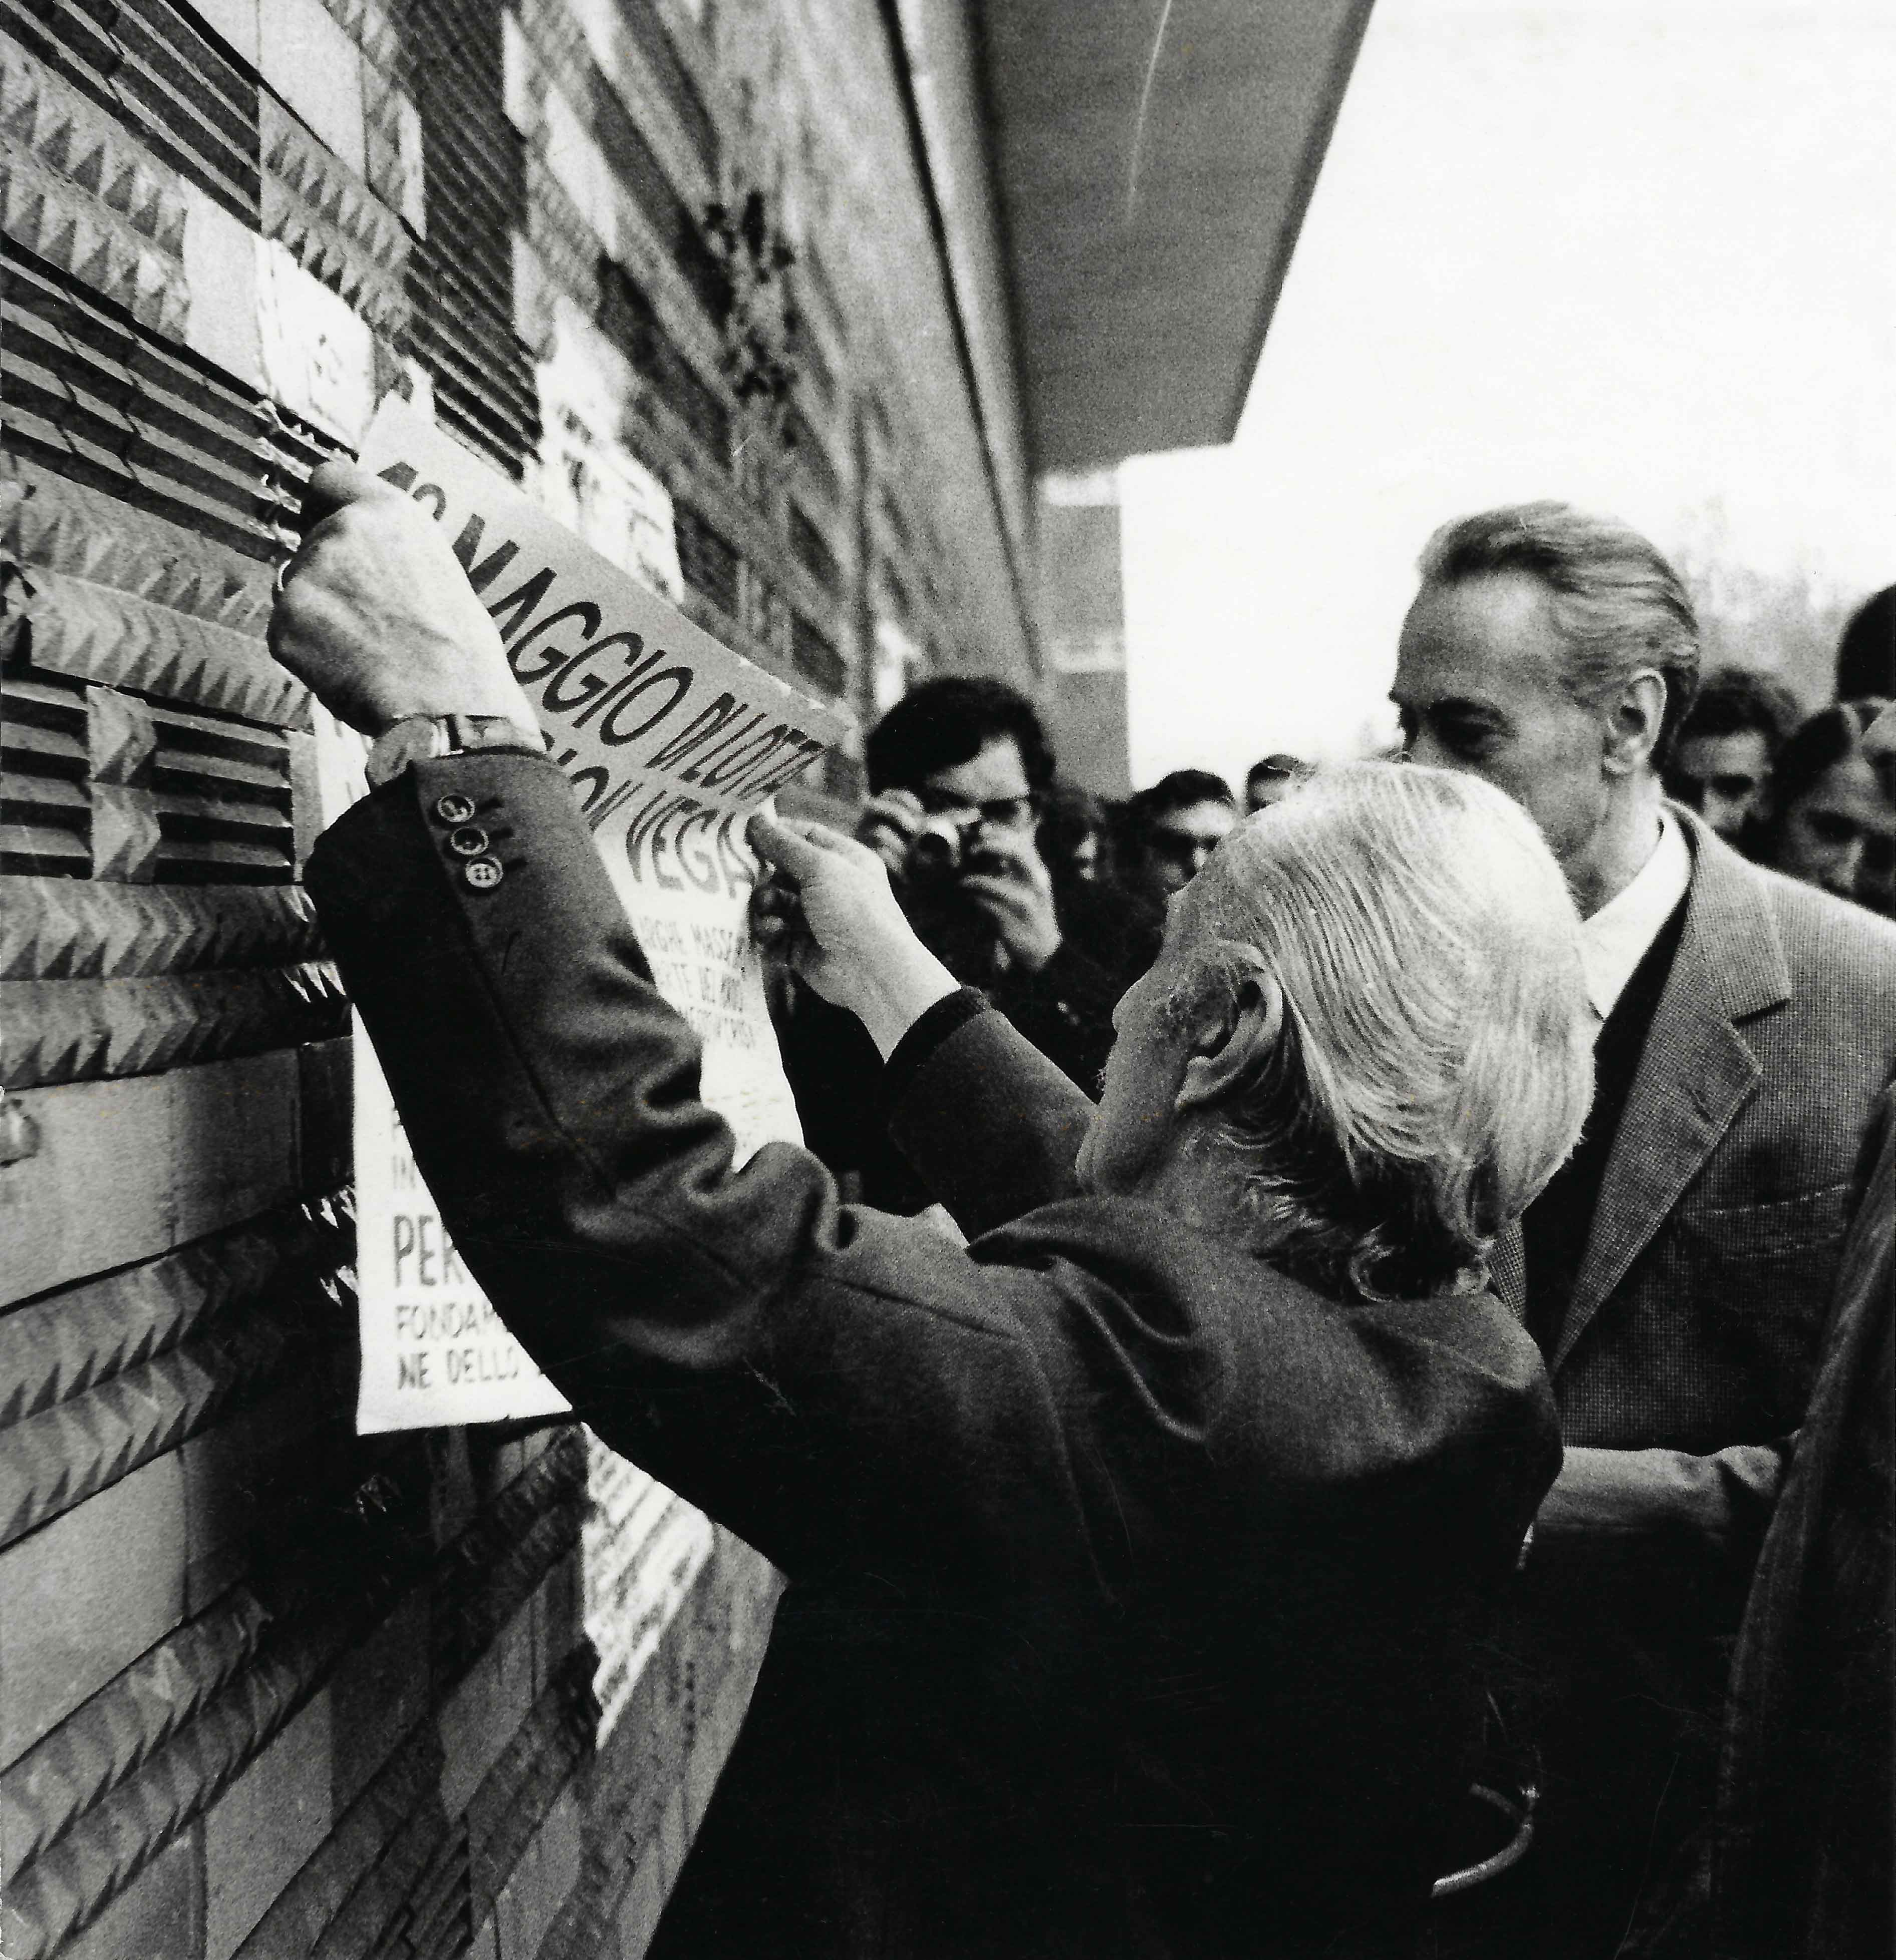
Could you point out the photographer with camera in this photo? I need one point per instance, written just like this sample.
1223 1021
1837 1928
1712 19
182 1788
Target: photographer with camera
957 860
958 769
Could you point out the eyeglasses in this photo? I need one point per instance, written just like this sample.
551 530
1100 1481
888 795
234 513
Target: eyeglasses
1691 790
1015 812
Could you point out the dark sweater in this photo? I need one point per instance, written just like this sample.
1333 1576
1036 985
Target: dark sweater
1553 1233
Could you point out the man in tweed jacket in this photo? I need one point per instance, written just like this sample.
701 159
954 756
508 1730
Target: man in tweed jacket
1677 1272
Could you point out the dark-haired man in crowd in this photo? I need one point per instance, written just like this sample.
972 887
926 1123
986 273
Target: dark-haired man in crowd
1721 761
1270 781
1677 1272
1866 653
1173 828
963 763
958 769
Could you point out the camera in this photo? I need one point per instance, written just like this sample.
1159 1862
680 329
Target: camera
948 922
935 853
941 852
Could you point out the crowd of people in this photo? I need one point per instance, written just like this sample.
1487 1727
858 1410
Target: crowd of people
1455 1346
1052 899
1799 791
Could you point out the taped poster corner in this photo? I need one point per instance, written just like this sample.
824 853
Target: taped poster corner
670 741
318 353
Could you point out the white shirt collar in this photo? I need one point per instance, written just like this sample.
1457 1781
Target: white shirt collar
1616 937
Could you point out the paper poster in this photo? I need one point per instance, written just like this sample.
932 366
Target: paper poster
669 740
587 478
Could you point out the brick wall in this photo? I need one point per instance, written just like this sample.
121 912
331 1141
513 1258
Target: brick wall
267 1689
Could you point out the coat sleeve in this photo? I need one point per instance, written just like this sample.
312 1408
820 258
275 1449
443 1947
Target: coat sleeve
817 1377
991 1124
1065 1010
1723 1501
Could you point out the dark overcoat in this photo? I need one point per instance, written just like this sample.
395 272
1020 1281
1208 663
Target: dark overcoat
1131 1584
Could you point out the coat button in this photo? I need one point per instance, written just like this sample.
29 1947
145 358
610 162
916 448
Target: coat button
454 808
483 874
469 841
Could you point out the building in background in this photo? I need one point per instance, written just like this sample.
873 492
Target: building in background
1151 167
1082 629
785 304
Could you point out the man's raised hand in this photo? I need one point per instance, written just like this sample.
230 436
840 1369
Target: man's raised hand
828 906
375 614
1008 879
889 824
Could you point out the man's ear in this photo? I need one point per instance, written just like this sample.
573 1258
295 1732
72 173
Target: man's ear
1634 719
1229 1049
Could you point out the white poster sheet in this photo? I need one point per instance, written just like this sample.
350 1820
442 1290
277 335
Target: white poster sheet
670 741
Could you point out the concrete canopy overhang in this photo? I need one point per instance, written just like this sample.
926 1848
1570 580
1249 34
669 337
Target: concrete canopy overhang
1152 162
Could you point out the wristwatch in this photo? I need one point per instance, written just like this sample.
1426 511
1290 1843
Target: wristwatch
424 738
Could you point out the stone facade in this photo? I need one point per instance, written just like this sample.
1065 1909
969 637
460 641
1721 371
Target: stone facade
268 1689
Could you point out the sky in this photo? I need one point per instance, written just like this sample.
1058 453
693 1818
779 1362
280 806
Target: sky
1638 254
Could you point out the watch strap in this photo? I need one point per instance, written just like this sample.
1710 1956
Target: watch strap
425 738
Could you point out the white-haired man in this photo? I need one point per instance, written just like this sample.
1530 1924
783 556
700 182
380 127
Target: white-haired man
1677 1271
1136 1552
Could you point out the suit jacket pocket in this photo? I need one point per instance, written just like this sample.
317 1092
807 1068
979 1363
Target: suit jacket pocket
1783 1225
1760 1280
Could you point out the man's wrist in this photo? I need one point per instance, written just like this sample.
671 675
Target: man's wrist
897 998
421 738
469 687
509 705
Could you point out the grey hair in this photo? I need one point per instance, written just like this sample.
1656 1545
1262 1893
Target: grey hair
1435 1064
1618 604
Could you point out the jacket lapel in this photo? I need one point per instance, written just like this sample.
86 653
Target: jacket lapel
1697 1070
